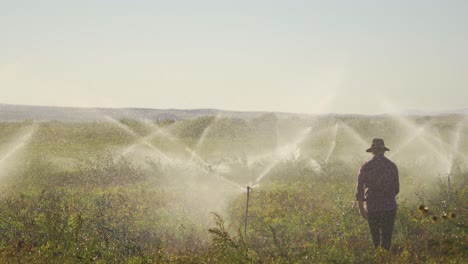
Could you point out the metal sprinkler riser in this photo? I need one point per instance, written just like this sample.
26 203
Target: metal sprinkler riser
246 211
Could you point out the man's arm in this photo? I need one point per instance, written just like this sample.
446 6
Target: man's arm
362 209
396 180
360 193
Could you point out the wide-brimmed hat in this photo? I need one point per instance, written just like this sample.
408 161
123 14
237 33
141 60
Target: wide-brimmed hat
377 143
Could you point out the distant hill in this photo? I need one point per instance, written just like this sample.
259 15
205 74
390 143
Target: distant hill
463 111
10 112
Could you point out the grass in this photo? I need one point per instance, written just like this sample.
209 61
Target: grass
71 196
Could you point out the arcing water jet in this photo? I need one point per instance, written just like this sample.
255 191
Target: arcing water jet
174 140
413 127
455 145
202 138
18 144
283 152
354 134
402 146
143 141
333 144
133 146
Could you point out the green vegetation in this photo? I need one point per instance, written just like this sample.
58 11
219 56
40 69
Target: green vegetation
158 192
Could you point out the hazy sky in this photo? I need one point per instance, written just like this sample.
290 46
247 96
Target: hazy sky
293 56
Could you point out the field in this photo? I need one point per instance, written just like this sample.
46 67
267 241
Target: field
175 191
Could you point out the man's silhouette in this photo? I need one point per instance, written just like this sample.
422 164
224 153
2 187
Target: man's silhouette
377 187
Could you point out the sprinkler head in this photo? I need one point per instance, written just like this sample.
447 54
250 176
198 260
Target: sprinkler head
426 209
444 216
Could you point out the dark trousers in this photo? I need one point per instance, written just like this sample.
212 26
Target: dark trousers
381 227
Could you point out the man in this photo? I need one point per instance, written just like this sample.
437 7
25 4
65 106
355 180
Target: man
377 187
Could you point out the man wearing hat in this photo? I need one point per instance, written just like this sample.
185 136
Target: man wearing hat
377 187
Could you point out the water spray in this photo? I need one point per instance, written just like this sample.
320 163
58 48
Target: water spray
423 138
286 150
19 143
203 164
142 140
159 131
247 211
351 131
333 144
207 129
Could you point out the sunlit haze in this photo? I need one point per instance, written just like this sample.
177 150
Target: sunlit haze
361 57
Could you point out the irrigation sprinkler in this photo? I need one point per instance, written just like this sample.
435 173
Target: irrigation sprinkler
246 211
